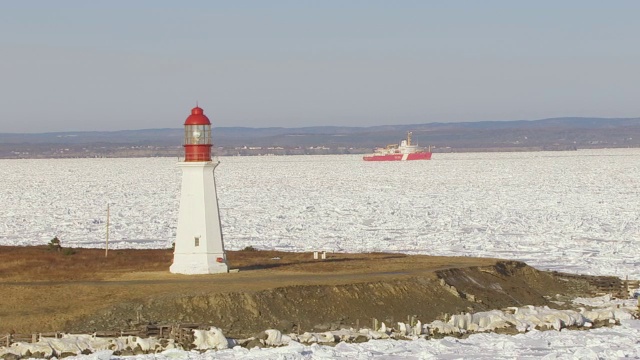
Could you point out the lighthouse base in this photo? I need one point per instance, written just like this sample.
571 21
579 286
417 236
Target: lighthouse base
192 264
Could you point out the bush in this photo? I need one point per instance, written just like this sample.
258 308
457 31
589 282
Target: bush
249 248
54 244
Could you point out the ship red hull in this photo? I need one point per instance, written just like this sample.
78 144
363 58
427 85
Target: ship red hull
399 157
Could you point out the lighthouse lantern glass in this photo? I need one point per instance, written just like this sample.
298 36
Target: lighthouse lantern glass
197 134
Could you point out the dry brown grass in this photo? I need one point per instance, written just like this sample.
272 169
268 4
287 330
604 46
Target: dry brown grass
39 263
46 289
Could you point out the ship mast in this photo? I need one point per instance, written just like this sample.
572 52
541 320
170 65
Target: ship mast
409 138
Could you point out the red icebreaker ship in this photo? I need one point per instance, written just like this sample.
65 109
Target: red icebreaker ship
402 152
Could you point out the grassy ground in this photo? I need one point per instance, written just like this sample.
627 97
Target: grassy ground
80 290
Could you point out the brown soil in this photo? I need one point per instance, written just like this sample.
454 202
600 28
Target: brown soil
45 290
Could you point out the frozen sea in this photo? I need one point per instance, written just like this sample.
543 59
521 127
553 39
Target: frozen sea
568 211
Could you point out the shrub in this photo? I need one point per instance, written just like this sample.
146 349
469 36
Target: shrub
54 244
249 248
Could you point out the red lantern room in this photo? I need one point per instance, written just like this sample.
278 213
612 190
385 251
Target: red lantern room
197 136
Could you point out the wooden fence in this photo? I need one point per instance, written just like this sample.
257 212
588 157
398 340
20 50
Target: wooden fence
181 334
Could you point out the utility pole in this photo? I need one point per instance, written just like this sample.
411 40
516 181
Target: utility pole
106 248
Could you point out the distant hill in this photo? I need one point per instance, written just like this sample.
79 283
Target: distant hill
547 134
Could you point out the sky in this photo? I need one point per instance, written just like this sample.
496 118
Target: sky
121 65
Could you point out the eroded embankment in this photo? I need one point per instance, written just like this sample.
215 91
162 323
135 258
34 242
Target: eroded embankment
427 297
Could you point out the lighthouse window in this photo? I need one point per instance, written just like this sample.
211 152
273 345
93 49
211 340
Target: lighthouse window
197 241
197 134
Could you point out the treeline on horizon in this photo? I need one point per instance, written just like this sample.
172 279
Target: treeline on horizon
547 134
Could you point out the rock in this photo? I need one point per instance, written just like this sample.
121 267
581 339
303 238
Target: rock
126 352
360 339
285 326
138 350
322 327
10 356
254 343
262 335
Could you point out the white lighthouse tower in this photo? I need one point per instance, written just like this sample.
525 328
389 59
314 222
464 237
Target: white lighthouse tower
199 248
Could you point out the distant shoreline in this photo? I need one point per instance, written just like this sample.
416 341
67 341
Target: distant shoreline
119 152
559 134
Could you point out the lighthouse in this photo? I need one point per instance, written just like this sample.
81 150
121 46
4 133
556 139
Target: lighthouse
199 248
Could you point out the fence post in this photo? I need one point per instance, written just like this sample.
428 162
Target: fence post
626 287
